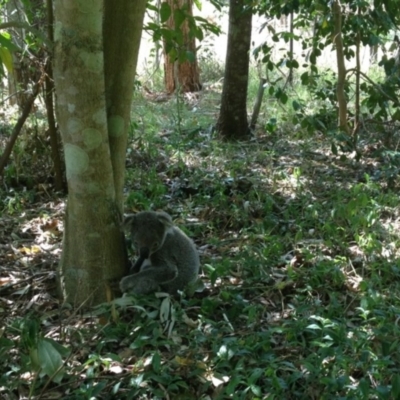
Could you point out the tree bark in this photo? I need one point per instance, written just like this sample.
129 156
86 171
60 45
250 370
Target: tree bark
232 122
340 93
49 101
94 251
121 50
183 75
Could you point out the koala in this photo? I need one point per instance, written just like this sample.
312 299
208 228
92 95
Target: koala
168 259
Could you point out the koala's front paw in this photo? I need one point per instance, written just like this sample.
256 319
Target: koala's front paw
126 284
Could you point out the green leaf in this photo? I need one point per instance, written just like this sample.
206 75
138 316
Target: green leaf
179 17
197 32
270 65
296 105
5 41
396 387
283 98
364 387
304 78
256 390
165 12
198 4
190 56
313 58
50 360
396 115
313 326
6 58
156 362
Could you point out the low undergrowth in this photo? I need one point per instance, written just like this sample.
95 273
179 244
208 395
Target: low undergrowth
300 264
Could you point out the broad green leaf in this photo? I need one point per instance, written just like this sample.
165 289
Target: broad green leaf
165 12
364 387
5 41
6 58
179 17
304 78
198 4
50 360
313 326
283 98
296 105
396 386
156 362
197 32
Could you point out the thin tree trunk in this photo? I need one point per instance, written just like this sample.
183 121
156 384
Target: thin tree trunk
357 88
53 135
340 93
290 77
48 97
232 122
186 73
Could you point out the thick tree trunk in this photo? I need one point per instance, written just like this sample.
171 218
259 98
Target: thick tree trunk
232 122
184 75
93 249
121 49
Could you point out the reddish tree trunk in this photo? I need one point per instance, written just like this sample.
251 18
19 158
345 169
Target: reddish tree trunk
185 74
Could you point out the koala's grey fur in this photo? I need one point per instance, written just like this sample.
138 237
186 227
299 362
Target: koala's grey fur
168 259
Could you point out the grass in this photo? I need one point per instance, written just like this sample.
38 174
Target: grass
299 249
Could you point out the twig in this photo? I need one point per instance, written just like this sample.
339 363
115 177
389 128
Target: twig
258 102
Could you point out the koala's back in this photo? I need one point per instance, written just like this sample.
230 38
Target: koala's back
178 250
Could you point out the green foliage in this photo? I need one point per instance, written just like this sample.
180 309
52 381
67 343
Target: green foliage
371 26
6 47
300 271
299 245
174 38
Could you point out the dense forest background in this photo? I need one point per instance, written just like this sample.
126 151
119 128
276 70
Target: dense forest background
277 153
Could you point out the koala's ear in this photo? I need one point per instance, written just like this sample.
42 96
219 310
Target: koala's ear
165 219
128 222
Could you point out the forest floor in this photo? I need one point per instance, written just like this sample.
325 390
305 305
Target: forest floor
301 271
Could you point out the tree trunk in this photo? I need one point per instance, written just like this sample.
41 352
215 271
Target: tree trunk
49 101
232 122
122 31
183 75
291 41
18 80
93 248
340 93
